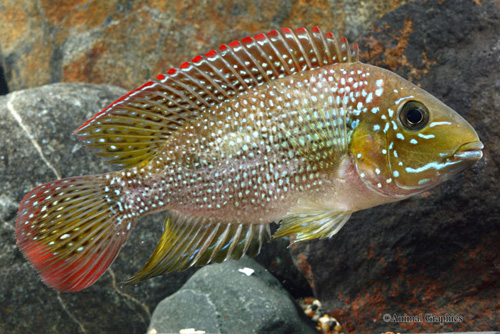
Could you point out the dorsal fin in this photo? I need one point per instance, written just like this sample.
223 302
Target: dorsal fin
131 130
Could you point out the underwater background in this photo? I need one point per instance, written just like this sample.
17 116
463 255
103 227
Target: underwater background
437 253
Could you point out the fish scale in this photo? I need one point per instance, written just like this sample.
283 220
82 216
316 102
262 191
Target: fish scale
286 127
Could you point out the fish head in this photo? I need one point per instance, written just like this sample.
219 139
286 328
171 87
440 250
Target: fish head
408 141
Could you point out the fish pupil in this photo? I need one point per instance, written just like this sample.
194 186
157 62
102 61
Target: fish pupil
414 116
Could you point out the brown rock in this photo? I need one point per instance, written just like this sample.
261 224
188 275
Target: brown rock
127 43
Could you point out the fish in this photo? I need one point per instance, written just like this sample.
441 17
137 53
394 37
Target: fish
287 127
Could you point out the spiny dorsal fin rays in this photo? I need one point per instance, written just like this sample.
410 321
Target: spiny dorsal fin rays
122 132
189 241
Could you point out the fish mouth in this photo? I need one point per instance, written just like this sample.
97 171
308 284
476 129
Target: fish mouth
469 152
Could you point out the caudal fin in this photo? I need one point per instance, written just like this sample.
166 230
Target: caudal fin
71 230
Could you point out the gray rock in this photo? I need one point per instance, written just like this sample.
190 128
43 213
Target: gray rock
36 146
277 259
221 299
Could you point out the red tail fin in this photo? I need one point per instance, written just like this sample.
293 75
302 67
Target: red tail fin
71 230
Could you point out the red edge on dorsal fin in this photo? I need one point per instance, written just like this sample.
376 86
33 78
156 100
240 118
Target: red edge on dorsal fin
197 59
147 84
260 37
247 40
272 33
211 54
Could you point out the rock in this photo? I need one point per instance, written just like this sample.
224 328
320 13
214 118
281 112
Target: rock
277 259
220 298
125 43
3 83
437 253
36 146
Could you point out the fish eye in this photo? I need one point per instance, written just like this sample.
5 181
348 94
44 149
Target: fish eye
414 115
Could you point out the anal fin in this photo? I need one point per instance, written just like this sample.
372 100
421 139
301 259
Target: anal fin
312 224
188 242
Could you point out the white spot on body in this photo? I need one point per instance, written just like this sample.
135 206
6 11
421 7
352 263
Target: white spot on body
369 98
423 181
430 136
433 124
398 101
386 127
431 165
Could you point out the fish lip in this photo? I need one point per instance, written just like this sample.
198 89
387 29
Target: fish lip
470 151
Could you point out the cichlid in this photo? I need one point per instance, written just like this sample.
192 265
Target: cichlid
284 127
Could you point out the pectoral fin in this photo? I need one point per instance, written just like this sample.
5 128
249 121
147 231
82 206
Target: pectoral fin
312 224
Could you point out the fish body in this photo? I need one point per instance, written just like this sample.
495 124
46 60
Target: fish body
287 127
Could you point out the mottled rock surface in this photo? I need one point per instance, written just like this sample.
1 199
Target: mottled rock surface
437 253
125 43
221 299
36 146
